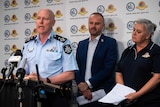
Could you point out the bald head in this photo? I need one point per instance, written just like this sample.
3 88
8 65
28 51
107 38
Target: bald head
49 12
45 21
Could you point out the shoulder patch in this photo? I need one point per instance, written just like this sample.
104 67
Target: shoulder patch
67 48
60 38
30 39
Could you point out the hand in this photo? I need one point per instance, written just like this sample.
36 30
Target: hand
82 86
131 97
32 76
87 94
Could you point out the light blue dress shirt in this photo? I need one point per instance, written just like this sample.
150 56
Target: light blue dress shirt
53 57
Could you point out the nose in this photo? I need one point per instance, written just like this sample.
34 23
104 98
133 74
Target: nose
133 32
41 20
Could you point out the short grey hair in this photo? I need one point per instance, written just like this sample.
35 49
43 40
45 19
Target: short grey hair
150 27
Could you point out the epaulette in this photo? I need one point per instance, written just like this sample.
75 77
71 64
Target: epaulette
60 38
30 38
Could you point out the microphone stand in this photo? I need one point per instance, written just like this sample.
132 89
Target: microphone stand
20 84
3 71
12 66
39 90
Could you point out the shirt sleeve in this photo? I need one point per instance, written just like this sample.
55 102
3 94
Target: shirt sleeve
68 58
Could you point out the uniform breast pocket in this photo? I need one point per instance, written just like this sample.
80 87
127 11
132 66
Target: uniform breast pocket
53 57
31 56
145 62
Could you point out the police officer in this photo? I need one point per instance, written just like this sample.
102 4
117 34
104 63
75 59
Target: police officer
53 55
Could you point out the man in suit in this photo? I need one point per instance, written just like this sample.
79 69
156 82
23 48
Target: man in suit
96 57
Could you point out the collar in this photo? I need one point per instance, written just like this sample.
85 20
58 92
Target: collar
148 47
51 35
97 38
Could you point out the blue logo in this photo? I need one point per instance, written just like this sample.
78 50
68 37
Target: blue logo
73 12
7 48
130 43
100 9
27 32
74 45
130 25
74 29
27 2
7 33
6 4
49 1
7 18
6 63
130 6
27 16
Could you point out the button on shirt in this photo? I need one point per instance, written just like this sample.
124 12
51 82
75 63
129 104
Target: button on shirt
50 57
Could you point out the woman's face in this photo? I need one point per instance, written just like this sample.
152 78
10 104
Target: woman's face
140 34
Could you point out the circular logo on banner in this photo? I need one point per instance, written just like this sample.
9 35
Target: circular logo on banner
130 6
6 63
83 28
6 4
7 33
14 18
111 26
130 43
74 29
74 45
58 14
7 48
130 25
27 2
58 30
7 18
14 33
27 16
100 9
73 12
141 5
27 32
110 8
49 1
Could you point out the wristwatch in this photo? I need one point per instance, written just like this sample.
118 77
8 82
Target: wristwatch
48 80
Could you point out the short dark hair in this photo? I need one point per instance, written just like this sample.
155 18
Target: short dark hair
96 13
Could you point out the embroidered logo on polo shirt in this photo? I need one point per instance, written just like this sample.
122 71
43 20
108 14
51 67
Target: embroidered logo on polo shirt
67 49
146 55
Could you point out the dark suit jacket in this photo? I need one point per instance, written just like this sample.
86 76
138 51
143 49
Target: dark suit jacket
103 64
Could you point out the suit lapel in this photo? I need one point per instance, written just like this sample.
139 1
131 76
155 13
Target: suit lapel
86 48
99 45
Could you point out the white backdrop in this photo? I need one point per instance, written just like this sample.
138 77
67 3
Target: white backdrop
17 20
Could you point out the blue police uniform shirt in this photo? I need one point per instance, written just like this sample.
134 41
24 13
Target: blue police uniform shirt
53 57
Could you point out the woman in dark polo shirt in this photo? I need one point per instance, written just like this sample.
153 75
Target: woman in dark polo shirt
139 67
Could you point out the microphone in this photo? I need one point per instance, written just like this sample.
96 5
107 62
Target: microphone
13 60
16 57
21 71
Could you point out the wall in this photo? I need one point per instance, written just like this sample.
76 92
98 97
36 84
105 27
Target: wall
17 20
